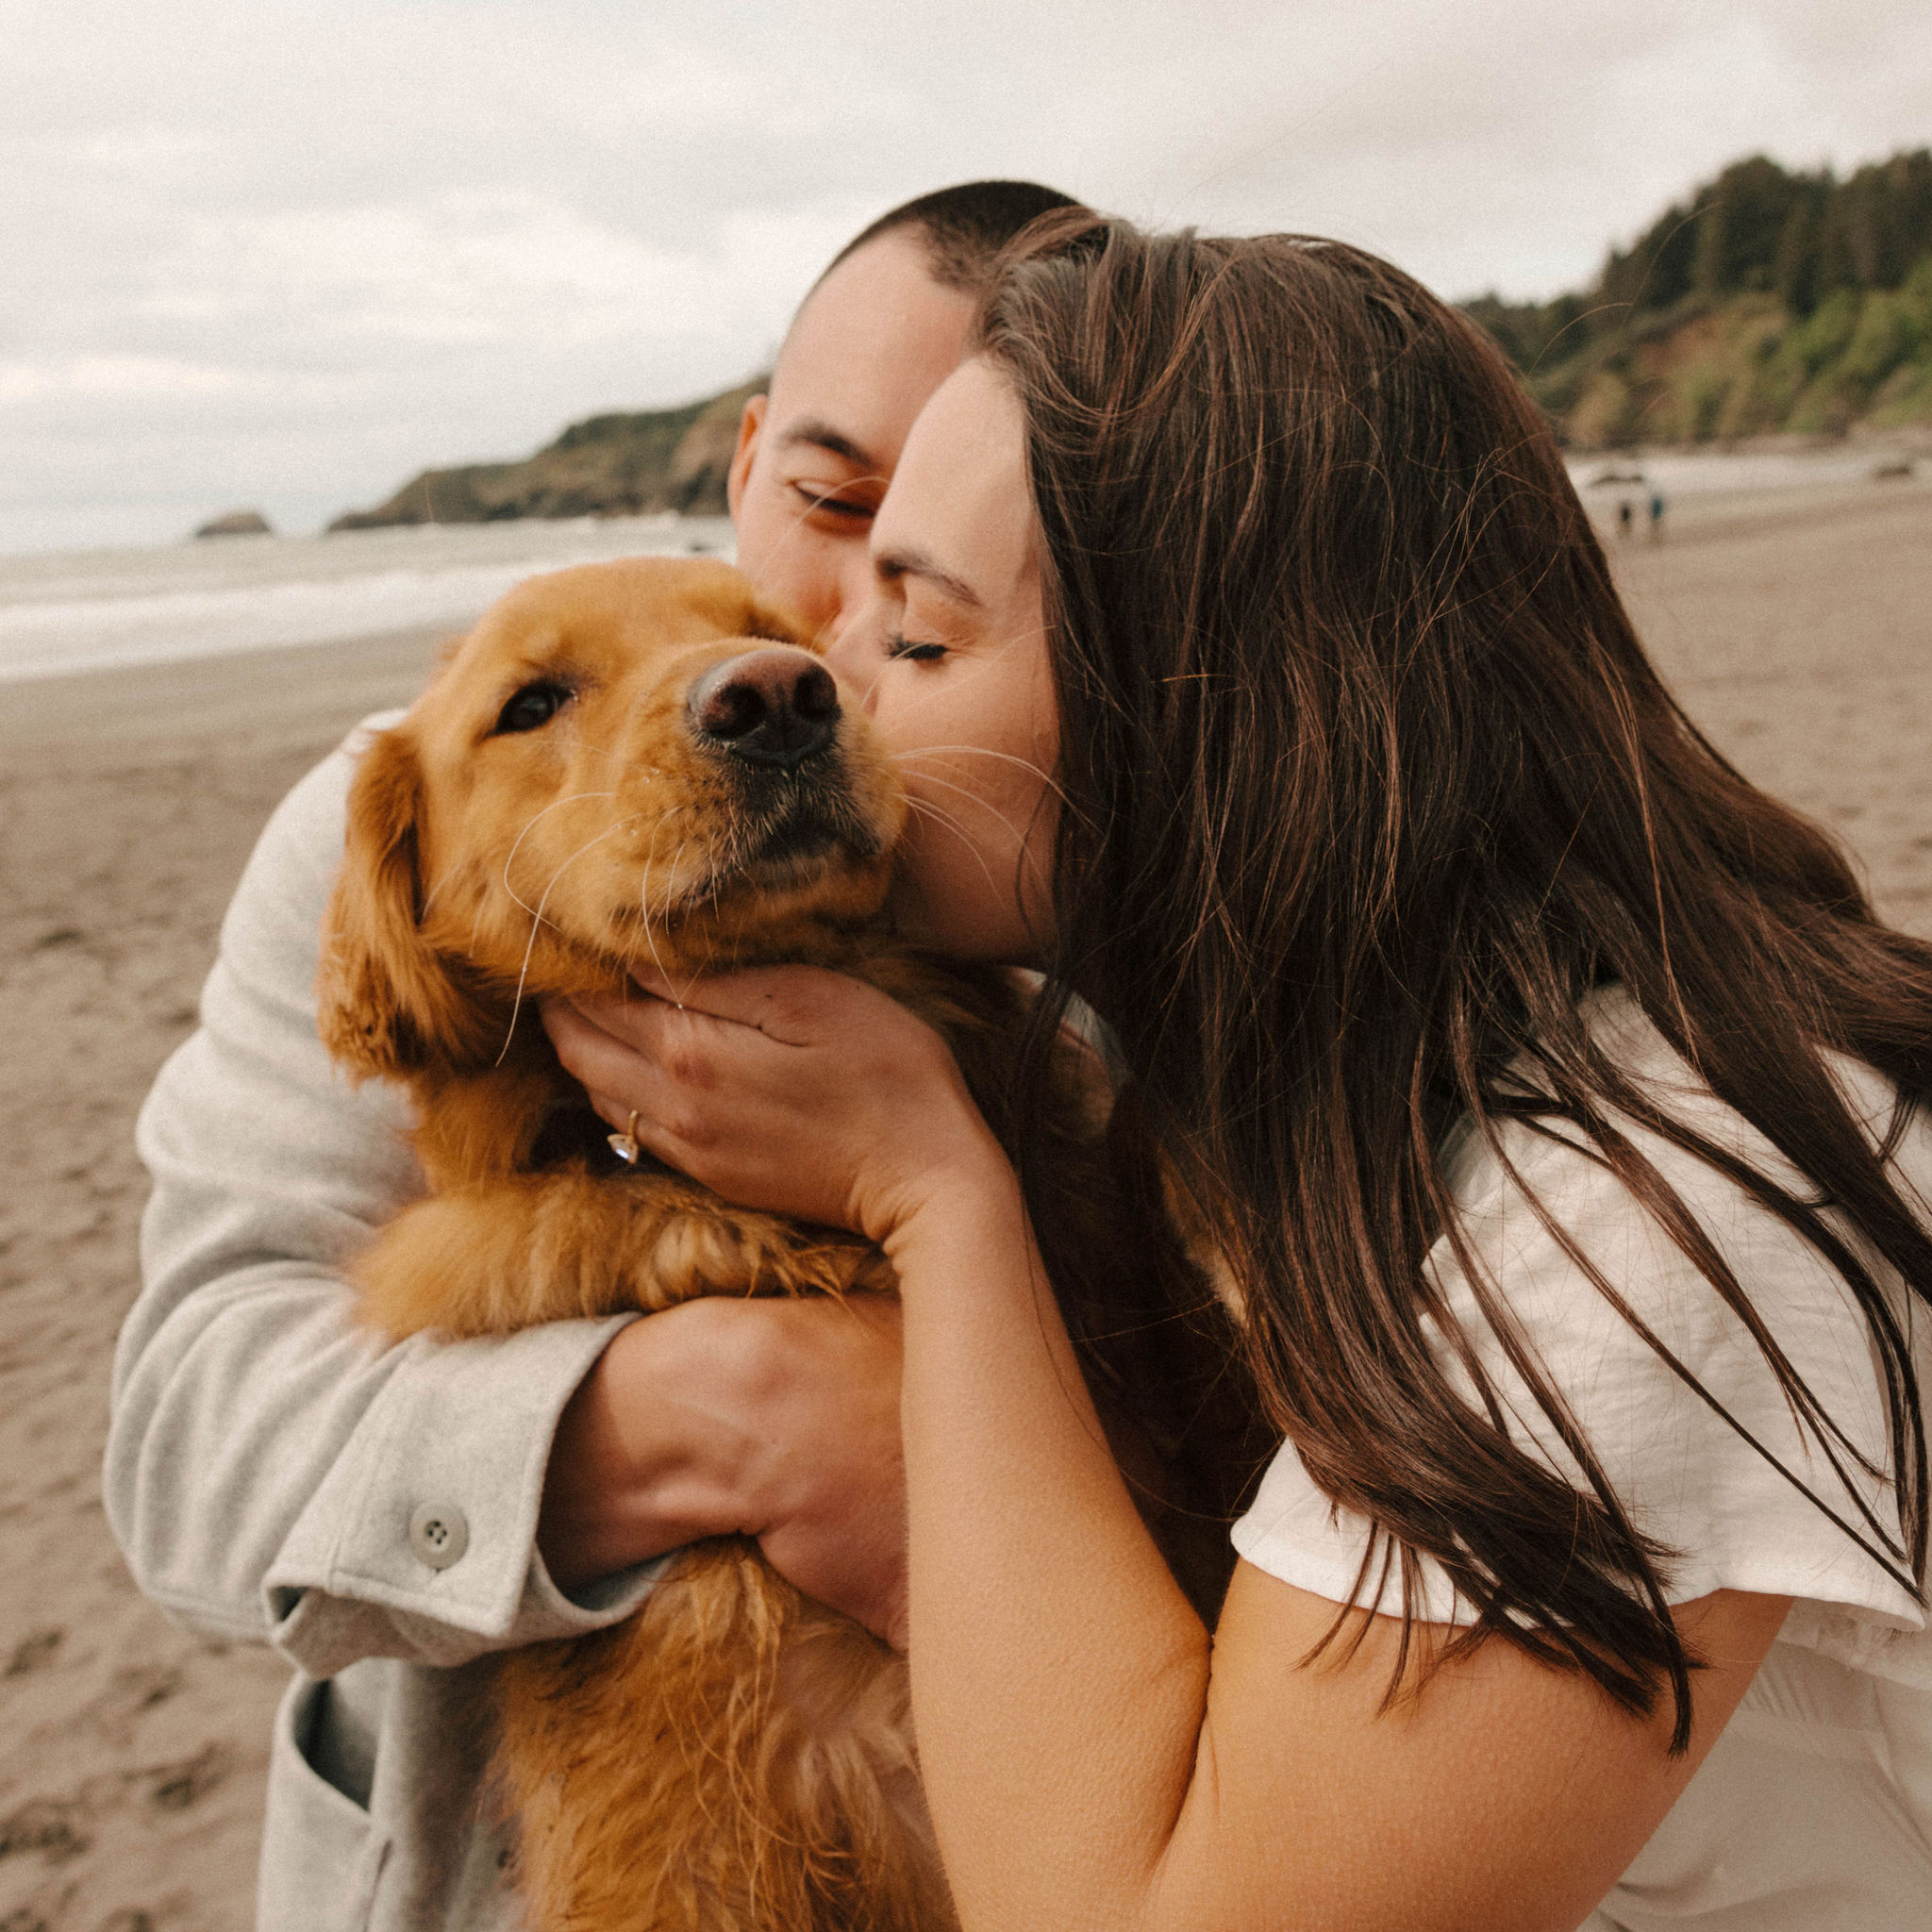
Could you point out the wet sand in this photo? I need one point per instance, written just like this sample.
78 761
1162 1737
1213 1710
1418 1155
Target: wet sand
1797 633
1797 630
132 1753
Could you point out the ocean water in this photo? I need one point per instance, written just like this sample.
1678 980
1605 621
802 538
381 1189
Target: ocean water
93 610
1692 473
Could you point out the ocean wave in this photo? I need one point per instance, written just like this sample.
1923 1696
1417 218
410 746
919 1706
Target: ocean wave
121 608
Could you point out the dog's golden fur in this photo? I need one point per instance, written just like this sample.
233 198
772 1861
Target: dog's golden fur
734 1756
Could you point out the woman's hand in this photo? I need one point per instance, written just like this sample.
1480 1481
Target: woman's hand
789 1088
806 1094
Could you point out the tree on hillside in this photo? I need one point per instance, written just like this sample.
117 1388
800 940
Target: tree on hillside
1771 298
1758 226
1740 219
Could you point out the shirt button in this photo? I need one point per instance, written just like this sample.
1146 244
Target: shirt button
438 1535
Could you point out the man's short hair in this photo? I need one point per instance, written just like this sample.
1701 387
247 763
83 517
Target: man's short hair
963 228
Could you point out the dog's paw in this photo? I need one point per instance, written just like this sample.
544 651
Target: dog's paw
704 1247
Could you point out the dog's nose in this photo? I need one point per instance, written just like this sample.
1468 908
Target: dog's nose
773 707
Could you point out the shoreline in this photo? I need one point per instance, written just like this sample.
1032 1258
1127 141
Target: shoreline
1703 515
69 613
325 612
279 694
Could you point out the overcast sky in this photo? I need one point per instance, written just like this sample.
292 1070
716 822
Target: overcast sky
284 255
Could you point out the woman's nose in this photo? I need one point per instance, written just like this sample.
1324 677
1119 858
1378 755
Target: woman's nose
854 651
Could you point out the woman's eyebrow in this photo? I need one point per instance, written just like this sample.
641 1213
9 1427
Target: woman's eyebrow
819 434
890 565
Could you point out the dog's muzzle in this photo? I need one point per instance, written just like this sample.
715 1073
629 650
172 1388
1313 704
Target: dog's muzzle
775 707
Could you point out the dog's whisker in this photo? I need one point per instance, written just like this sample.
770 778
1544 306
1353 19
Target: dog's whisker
692 981
927 810
509 858
516 1004
644 909
645 893
982 751
536 912
973 797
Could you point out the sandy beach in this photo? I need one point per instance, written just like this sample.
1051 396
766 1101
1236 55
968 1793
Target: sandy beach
1796 627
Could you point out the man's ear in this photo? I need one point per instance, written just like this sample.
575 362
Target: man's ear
386 1003
750 424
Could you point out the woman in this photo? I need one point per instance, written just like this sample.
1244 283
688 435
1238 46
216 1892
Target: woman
1550 1094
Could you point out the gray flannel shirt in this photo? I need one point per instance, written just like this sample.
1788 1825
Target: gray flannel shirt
275 1475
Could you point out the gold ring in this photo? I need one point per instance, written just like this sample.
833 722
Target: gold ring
624 1145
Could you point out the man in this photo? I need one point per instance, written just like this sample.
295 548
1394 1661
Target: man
388 1518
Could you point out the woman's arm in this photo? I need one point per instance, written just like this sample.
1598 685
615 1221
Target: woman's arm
1095 1760
1092 1756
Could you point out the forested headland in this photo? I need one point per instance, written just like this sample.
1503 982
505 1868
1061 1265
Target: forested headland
1767 301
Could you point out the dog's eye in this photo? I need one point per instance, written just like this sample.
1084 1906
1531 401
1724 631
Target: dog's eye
533 706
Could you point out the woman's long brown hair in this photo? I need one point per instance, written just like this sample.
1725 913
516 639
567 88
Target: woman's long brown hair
1368 784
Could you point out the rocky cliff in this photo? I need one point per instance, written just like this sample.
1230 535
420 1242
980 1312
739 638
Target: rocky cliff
616 465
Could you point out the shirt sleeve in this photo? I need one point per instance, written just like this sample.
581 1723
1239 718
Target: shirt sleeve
271 1465
1738 1516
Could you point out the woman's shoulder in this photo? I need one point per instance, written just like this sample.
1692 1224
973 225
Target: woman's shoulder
1535 1196
1682 1404
1557 1272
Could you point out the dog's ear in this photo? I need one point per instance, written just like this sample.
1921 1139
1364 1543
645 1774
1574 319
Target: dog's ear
387 1002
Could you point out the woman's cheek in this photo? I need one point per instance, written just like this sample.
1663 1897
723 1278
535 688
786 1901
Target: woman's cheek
933 902
911 899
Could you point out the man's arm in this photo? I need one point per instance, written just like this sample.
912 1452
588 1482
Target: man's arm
273 1471
775 1418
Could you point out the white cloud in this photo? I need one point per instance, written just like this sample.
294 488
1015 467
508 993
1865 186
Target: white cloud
305 250
498 266
119 377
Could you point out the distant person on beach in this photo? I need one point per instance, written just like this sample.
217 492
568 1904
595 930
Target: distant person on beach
270 1469
1625 514
1657 516
1549 1101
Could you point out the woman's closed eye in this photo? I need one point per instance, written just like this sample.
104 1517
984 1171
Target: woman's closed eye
920 651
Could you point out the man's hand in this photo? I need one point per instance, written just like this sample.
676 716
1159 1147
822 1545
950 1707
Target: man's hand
771 1418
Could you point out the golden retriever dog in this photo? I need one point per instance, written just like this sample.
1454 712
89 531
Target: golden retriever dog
632 764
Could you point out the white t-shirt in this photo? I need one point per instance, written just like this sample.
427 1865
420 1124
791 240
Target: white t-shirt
1813 1811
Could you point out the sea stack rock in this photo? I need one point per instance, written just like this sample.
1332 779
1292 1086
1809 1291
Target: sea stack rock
238 523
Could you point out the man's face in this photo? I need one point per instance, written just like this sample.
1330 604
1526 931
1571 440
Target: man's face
873 342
